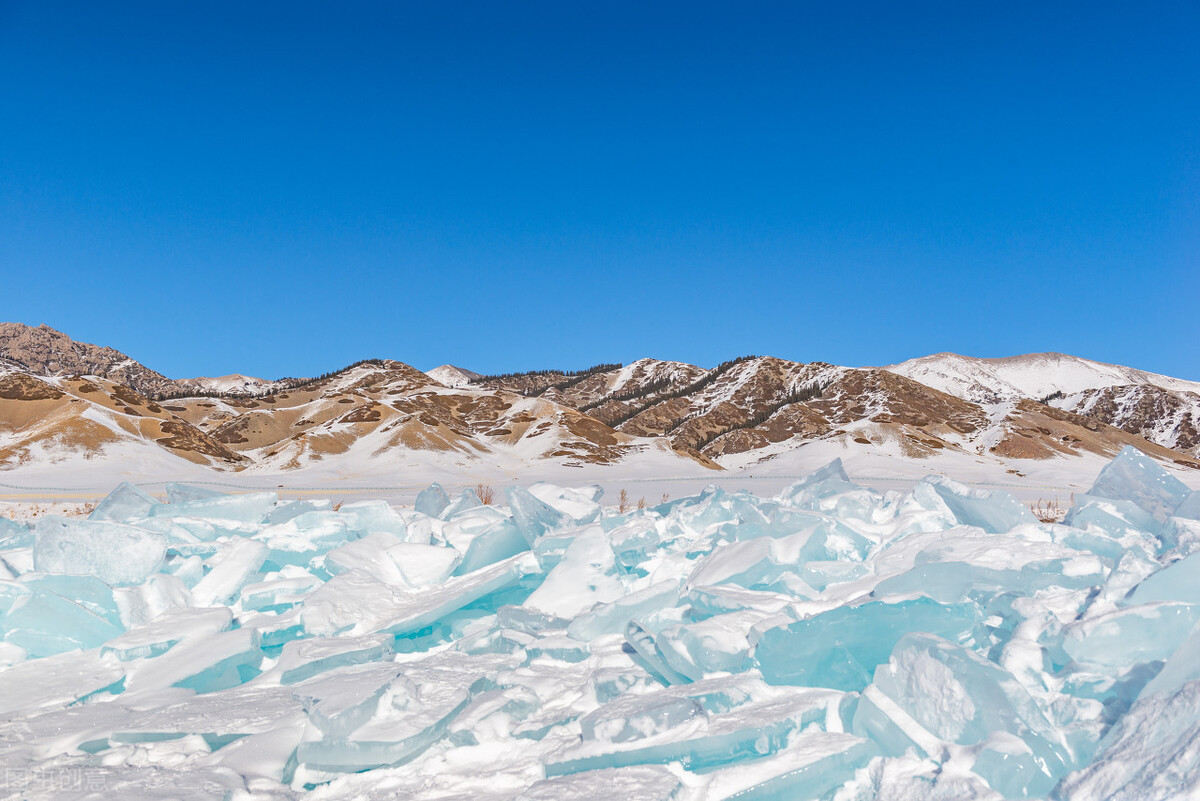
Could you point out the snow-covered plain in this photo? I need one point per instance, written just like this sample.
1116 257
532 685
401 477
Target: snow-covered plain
832 641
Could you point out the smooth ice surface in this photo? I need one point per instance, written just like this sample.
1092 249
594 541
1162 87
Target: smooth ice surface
117 554
832 643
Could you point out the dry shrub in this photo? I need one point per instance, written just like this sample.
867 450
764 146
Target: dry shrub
622 502
641 504
1048 511
485 493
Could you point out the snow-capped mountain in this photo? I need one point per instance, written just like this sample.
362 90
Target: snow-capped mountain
652 416
452 376
232 384
1034 375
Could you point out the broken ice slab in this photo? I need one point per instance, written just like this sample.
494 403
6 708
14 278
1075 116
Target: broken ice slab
205 664
299 540
1120 520
370 555
641 782
697 742
124 504
43 622
250 507
374 517
717 644
1190 506
356 603
341 700
634 541
813 764
116 554
412 715
424 565
303 659
1178 581
218 716
14 534
841 648
431 500
462 502
236 565
166 630
182 493
1124 637
956 696
578 507
533 517
994 511
427 606
614 616
57 680
830 479
707 601
1134 476
1149 754
279 590
292 509
559 648
585 576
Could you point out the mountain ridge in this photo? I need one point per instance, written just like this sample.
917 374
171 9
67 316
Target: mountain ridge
747 410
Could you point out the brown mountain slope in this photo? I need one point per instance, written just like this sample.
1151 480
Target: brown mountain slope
44 351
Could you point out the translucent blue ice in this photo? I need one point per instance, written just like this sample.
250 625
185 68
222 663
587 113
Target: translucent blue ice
1134 476
115 553
431 500
124 504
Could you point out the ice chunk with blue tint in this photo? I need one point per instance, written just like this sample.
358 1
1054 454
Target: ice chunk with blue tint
713 645
533 517
45 623
204 664
375 517
370 555
57 680
993 511
1134 476
124 504
580 508
463 502
1148 755
299 540
500 540
14 534
412 716
842 647
431 500
342 700
233 569
116 554
813 764
1178 581
959 697
643 782
425 565
587 575
182 493
634 541
250 507
830 479
1190 506
280 590
166 630
699 741
1124 637
290 509
614 616
302 659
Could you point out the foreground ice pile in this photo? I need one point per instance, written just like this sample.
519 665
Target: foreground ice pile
831 642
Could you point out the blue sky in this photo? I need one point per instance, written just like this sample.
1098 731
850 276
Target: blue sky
283 188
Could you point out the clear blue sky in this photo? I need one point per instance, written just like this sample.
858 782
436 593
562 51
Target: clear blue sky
282 188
